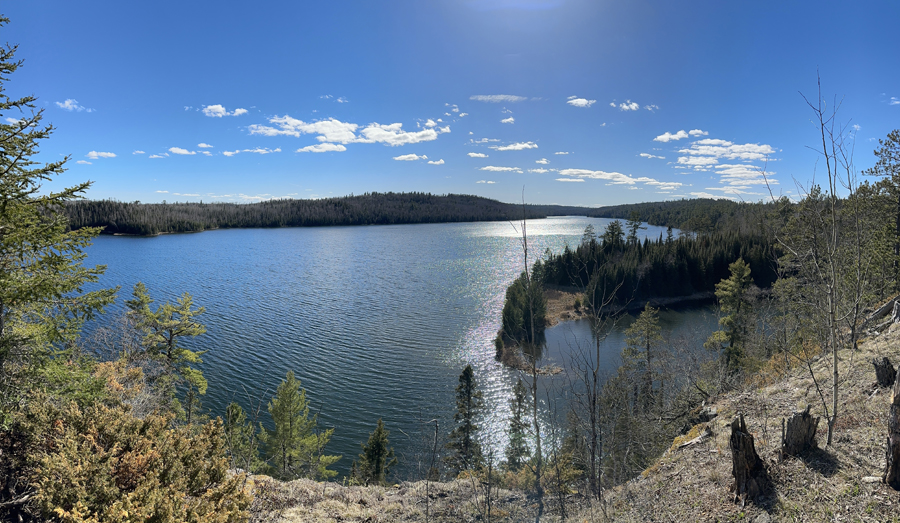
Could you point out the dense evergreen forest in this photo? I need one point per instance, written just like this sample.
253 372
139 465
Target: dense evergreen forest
368 209
699 215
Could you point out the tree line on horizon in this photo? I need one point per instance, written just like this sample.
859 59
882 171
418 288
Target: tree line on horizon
390 208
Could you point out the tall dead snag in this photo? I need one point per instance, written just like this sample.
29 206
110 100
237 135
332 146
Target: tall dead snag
800 433
892 469
750 478
884 372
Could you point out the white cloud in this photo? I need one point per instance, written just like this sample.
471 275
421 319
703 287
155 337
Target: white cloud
724 149
463 114
580 102
430 123
330 130
497 98
539 171
477 155
668 137
394 135
744 174
486 181
262 150
894 101
72 105
570 179
439 162
508 120
157 156
697 132
542 161
697 161
93 155
231 153
647 155
615 178
442 130
485 140
204 145
326 96
627 106
518 146
651 107
342 100
163 192
84 162
561 152
206 153
13 121
138 152
322 148
218 111
410 157
179 150
455 108
494 168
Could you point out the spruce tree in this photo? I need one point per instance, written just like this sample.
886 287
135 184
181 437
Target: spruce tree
517 452
241 439
42 307
294 447
376 459
641 341
463 445
733 301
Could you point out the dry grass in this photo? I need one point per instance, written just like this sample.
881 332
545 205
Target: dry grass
837 483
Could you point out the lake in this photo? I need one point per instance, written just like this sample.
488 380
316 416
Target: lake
376 321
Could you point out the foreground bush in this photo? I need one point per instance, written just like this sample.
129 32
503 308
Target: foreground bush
101 464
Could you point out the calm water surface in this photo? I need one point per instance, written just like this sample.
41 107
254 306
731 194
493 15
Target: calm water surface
377 321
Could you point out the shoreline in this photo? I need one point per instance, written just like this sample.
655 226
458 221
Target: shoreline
561 304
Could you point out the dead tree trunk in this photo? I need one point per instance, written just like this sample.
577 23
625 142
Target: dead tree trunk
884 372
892 470
750 478
800 433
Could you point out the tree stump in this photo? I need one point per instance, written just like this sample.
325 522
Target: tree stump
750 478
892 469
884 372
800 433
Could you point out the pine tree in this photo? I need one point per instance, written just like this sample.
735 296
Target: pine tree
465 449
376 459
164 331
294 446
517 452
42 307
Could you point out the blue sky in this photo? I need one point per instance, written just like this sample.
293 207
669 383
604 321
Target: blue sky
578 102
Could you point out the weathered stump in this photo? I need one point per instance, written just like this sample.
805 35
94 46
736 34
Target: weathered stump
750 478
895 314
885 373
892 452
800 433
